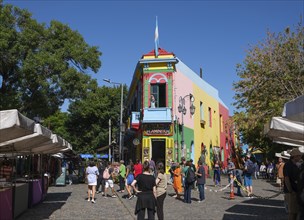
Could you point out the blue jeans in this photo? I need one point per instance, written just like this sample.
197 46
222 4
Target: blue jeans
201 188
187 192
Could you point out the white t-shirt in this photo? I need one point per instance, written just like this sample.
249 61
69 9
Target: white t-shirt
92 173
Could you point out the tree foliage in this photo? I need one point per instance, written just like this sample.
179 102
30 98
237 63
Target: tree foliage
271 74
42 65
88 120
56 123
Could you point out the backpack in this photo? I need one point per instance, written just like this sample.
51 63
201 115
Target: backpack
250 167
190 176
106 174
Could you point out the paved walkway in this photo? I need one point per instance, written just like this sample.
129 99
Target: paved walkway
69 202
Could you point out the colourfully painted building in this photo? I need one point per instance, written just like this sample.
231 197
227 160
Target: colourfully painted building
174 113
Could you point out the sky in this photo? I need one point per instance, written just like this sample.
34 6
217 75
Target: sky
212 35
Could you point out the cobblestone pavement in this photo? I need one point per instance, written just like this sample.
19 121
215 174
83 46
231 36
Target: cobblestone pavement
69 202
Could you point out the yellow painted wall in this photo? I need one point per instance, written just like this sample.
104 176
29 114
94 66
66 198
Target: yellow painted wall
205 134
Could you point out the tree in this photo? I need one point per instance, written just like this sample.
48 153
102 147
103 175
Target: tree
271 74
41 65
88 121
56 123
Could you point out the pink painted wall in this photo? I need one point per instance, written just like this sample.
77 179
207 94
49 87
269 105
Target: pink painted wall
182 86
225 114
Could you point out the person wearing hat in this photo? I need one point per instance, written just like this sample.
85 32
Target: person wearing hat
122 176
291 172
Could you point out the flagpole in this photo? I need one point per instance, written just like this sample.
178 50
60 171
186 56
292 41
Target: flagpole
156 39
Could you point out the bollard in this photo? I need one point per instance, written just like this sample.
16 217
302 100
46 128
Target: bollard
231 186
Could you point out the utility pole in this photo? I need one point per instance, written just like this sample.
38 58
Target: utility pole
109 139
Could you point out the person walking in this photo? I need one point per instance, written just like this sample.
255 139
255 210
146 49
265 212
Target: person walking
291 172
201 180
146 193
248 171
161 190
177 181
108 175
92 175
122 176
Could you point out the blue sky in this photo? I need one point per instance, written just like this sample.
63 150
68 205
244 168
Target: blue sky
213 35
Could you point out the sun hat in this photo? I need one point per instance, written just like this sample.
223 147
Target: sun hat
295 152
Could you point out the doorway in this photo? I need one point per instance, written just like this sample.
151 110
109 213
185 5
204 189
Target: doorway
159 151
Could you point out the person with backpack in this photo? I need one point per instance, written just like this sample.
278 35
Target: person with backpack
108 176
248 171
190 178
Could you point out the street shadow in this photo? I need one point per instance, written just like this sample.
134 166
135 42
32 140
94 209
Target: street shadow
57 196
257 209
43 210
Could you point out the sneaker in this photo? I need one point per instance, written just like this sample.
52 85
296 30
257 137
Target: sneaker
130 197
89 200
98 192
134 196
113 196
93 201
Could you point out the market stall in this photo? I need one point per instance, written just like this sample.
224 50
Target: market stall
26 145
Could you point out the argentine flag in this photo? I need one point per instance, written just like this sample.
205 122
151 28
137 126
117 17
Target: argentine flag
156 39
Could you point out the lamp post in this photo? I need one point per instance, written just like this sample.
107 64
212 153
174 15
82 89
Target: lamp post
182 109
121 111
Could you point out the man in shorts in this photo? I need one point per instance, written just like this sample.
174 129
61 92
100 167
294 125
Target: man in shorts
109 181
248 175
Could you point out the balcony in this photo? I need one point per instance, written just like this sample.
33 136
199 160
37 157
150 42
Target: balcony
135 120
157 115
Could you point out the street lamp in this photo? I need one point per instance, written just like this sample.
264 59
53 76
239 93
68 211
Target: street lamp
182 109
121 111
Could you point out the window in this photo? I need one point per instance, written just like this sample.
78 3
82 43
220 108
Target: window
202 117
221 123
159 93
210 117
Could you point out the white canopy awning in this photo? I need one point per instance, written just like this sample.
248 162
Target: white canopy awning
14 125
19 134
285 131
